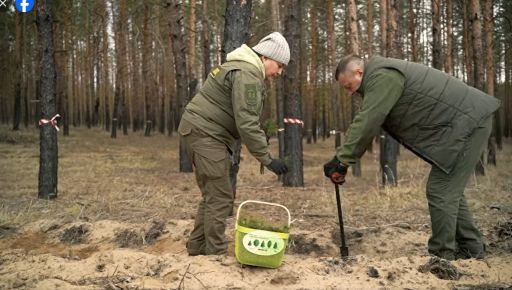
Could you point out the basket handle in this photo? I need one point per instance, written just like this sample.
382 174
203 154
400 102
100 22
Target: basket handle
264 202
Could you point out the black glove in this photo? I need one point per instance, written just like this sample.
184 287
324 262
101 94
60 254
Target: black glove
335 170
278 166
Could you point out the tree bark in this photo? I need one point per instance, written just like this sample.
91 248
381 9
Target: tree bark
68 46
449 38
388 145
437 62
18 69
180 62
292 98
105 71
48 159
205 32
383 26
60 57
412 32
490 77
236 32
468 55
507 106
236 25
369 26
476 29
147 70
276 87
312 99
119 112
88 74
337 120
192 40
354 48
192 70
136 77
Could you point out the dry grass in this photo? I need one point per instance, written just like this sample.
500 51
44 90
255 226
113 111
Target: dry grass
134 178
128 193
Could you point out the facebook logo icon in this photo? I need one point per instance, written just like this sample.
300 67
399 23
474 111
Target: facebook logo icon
24 5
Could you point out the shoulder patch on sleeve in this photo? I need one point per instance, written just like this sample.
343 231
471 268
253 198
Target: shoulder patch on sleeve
251 95
215 72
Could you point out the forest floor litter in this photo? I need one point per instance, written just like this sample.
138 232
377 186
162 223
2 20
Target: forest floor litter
124 213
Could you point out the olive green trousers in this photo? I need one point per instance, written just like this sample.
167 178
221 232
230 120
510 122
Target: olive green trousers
453 228
211 162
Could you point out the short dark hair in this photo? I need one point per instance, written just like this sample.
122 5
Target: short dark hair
344 62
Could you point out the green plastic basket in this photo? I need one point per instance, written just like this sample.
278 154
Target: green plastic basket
258 247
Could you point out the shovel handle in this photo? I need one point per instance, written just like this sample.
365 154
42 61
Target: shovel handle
343 247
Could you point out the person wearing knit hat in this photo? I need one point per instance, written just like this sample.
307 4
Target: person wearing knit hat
227 108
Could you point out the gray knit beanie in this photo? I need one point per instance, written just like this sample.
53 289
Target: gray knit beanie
274 46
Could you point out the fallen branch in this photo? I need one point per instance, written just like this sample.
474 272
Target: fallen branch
193 275
182 281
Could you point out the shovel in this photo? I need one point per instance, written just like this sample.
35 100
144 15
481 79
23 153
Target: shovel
343 247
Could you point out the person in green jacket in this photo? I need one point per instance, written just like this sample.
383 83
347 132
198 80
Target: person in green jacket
227 108
437 117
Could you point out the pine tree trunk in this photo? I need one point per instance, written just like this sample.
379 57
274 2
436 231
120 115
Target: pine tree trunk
507 106
236 25
147 72
207 64
490 76
60 67
105 70
136 75
48 159
236 33
95 72
337 120
192 70
354 48
476 29
19 70
383 27
449 38
162 90
312 99
369 26
74 100
192 40
180 62
65 110
468 55
292 98
88 69
25 76
353 31
412 32
276 87
437 62
388 145
171 87
119 113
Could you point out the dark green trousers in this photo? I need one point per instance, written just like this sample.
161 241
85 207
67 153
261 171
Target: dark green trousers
211 161
453 228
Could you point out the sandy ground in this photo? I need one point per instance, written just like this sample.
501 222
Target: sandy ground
124 213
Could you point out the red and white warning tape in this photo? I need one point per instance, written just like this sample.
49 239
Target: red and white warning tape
52 122
293 121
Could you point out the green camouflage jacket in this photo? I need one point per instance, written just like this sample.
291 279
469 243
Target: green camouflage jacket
229 104
428 111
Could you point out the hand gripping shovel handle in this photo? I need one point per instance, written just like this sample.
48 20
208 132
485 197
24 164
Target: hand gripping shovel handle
343 248
337 178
